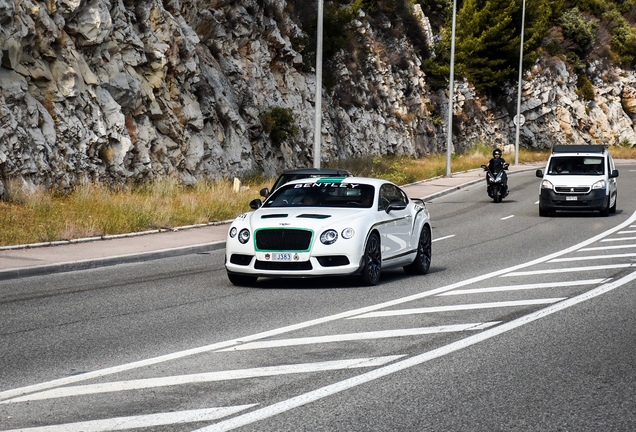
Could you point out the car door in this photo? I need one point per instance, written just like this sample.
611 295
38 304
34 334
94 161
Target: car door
395 227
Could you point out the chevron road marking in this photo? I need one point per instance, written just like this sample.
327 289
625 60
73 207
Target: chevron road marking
141 421
437 309
8 394
566 270
524 287
595 257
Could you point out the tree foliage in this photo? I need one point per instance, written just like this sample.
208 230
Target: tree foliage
280 123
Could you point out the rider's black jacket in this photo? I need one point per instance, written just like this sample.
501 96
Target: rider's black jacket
496 165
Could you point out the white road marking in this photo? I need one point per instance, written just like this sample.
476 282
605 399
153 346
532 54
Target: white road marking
356 336
537 202
437 309
206 377
443 238
507 217
593 257
602 248
566 270
314 395
618 239
626 232
141 421
216 346
524 287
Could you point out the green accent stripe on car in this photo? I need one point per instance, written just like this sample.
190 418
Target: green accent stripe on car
330 180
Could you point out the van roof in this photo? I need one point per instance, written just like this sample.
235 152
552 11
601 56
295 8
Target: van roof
578 149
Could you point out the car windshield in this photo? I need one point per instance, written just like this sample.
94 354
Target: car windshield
322 194
576 165
286 178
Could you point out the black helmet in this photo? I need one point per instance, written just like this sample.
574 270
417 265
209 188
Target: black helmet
496 152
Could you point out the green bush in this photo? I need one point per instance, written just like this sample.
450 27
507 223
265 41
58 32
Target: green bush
585 89
580 28
280 123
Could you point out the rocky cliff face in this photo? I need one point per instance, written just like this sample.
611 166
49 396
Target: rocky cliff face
111 90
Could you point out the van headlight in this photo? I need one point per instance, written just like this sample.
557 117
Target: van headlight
546 185
599 185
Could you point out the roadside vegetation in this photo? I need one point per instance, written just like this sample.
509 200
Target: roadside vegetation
94 210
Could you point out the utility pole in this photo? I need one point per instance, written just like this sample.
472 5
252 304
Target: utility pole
519 118
318 104
451 90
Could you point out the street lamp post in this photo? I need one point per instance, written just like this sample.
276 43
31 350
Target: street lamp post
318 104
518 118
449 134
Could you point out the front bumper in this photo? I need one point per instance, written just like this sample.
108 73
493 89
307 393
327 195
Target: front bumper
329 265
594 200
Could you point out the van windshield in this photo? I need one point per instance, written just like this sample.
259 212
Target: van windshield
576 165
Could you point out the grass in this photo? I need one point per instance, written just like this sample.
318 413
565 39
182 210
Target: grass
94 210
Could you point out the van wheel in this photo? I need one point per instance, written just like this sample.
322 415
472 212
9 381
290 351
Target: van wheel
606 211
612 209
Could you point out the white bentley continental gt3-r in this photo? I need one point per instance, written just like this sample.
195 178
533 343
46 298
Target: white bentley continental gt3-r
330 226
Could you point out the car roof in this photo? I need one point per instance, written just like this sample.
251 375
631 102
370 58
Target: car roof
576 148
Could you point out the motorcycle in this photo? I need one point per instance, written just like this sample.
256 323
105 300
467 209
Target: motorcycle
497 182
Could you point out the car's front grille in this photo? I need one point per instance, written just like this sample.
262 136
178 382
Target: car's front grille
578 189
283 265
283 239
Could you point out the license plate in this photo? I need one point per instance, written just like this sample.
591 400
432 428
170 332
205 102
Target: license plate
571 198
281 256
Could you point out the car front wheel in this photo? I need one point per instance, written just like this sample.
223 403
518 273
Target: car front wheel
372 261
422 261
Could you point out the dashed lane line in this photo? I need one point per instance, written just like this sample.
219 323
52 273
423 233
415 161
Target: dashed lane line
437 309
443 238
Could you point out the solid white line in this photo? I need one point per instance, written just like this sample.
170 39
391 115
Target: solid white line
206 377
141 421
507 217
592 257
355 336
216 346
602 248
566 270
283 406
618 239
523 287
626 232
443 238
437 309
537 202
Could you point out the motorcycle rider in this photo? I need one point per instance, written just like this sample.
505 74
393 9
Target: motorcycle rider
495 165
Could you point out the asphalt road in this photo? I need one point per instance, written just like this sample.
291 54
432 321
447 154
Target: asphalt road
523 323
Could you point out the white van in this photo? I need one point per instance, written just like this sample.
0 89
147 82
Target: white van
578 178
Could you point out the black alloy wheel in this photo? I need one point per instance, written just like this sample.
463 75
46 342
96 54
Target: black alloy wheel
422 262
372 261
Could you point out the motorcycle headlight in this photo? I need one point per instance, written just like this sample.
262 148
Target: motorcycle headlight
347 233
244 236
233 232
599 185
546 185
329 237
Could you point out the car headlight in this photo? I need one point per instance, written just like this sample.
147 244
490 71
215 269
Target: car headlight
347 233
244 236
599 185
233 232
329 237
546 185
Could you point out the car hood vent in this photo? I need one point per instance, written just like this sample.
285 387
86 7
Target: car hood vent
314 216
272 216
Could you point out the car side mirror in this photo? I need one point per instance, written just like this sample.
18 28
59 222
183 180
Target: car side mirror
264 192
539 173
614 174
395 205
256 204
